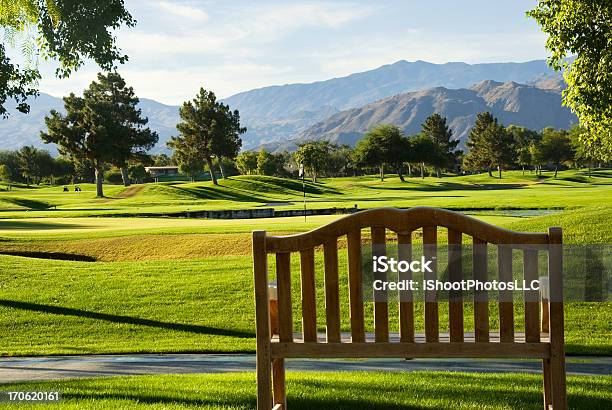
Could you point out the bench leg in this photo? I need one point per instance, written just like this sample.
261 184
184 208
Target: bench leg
558 387
547 384
278 383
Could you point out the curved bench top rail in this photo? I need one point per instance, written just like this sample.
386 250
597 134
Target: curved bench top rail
403 221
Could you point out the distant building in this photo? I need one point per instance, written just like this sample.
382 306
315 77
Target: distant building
162 171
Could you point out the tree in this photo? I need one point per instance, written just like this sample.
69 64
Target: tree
437 130
104 126
384 144
270 164
5 176
34 164
138 173
208 128
340 160
556 147
67 31
162 160
247 162
423 150
489 144
524 139
583 29
584 151
313 156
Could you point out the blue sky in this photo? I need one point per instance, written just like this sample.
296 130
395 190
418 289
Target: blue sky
232 46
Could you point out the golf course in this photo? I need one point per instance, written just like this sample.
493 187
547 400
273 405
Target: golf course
85 275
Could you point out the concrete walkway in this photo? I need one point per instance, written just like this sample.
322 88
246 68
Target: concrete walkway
61 367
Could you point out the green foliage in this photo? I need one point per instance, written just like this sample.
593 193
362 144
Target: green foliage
34 164
138 173
384 144
247 162
525 142
162 160
583 29
445 153
105 126
208 128
270 164
68 31
313 156
489 144
113 176
556 147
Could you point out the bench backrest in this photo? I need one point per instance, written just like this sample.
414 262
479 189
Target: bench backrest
403 223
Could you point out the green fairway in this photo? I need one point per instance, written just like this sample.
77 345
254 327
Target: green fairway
308 390
571 189
183 285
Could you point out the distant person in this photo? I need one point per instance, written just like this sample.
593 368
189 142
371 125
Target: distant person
77 189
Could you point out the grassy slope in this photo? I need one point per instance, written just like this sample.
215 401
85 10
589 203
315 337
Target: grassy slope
462 192
133 303
188 305
307 390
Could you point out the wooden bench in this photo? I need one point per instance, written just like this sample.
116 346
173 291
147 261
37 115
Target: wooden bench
480 342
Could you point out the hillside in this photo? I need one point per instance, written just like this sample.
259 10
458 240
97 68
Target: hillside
279 113
24 129
510 102
276 114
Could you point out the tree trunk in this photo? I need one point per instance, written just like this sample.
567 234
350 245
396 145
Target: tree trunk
523 169
499 168
422 170
125 177
409 170
489 171
399 173
590 165
382 172
438 172
211 170
221 168
556 169
99 173
314 177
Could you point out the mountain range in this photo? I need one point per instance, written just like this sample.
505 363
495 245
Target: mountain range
404 93
510 102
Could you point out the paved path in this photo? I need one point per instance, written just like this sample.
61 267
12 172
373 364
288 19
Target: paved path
59 367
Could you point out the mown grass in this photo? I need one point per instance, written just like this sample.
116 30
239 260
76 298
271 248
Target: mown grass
62 307
334 390
570 190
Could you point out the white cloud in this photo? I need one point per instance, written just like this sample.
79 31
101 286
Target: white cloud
182 10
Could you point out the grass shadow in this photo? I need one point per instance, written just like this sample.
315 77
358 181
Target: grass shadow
59 310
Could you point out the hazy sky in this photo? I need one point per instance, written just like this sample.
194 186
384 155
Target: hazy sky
232 46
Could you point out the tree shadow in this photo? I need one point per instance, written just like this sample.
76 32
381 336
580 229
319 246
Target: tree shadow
27 203
59 310
60 256
11 224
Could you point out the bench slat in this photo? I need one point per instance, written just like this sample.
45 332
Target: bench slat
481 297
406 304
355 286
394 350
309 300
430 239
532 305
283 278
455 304
381 307
332 297
506 306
